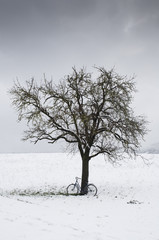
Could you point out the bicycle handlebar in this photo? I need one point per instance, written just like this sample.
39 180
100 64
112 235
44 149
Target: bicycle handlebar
77 178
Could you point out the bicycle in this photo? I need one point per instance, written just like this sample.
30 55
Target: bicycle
75 189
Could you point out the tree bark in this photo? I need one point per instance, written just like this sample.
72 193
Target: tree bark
85 174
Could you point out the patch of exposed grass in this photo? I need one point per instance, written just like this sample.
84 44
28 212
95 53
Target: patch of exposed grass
46 191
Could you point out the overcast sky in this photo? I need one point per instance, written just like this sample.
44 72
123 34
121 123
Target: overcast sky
51 36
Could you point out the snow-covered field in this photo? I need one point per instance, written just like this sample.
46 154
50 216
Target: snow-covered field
126 208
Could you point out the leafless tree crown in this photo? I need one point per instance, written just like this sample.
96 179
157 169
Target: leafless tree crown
90 115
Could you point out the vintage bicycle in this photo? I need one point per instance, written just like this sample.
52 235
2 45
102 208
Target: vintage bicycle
75 189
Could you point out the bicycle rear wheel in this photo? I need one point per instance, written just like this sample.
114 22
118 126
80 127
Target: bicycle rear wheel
91 190
72 189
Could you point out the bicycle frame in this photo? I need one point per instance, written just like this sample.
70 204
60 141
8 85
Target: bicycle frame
77 185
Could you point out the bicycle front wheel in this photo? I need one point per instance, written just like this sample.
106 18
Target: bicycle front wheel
91 190
72 189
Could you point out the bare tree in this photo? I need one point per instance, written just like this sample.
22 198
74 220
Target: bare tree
93 116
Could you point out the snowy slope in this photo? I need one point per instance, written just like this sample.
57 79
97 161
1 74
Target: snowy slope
126 207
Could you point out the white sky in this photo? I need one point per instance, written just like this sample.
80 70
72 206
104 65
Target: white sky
51 36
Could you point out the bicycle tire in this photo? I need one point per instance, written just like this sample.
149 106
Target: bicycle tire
72 189
91 190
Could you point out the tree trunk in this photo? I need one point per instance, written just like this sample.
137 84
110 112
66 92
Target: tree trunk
85 174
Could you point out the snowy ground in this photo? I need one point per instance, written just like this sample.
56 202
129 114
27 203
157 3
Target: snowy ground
126 208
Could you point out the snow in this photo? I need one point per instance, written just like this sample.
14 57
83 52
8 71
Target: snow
126 207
